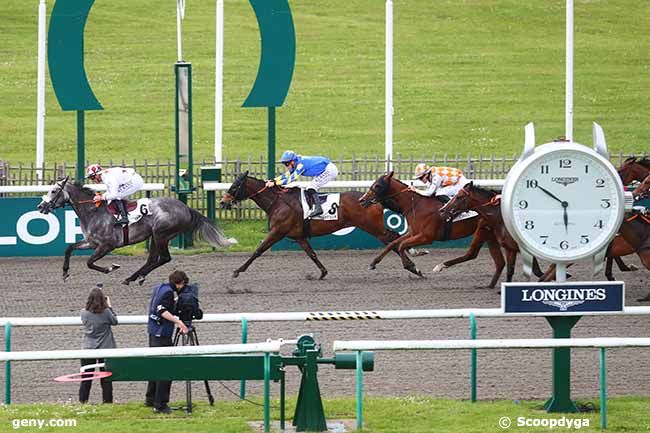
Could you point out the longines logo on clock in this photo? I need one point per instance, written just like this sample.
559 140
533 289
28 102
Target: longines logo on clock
565 180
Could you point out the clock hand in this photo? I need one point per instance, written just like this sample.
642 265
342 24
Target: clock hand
566 217
550 194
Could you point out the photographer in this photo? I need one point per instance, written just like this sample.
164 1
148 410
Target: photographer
161 328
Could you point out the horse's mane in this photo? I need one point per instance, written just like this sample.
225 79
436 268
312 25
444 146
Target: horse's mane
483 190
80 186
644 162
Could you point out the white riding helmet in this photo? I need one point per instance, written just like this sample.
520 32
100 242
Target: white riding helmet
421 170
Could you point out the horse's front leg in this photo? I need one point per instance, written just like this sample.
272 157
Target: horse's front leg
271 238
388 248
81 245
312 255
412 241
151 263
100 252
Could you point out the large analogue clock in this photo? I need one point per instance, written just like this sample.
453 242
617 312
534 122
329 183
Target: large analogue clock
563 203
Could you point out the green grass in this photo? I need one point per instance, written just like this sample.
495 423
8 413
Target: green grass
249 234
390 415
468 75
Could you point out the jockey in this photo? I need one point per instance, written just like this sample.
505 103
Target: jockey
320 168
439 181
120 183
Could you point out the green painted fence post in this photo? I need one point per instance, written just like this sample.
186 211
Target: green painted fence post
8 364
603 390
267 392
359 390
244 340
472 323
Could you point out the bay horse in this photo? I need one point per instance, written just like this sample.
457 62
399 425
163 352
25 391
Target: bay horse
636 231
634 169
425 224
285 218
167 218
486 203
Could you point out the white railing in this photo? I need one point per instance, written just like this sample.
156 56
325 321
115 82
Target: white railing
96 187
543 343
528 343
495 184
314 316
272 346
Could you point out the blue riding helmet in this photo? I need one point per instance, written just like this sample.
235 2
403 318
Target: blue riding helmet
288 156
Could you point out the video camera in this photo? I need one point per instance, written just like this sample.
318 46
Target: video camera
187 304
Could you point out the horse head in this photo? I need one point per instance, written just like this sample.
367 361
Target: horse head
236 192
56 197
633 169
459 203
378 191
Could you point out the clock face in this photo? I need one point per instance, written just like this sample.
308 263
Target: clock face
565 204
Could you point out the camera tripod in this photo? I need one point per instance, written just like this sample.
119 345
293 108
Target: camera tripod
191 339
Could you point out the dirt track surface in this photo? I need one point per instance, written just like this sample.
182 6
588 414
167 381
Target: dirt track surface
280 282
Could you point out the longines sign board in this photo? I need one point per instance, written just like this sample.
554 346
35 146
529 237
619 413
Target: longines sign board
563 299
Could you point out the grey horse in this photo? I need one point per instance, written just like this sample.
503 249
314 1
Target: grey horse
167 218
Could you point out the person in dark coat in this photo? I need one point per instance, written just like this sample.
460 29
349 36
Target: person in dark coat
160 328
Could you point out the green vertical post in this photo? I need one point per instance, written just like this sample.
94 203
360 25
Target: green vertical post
282 402
472 324
270 168
81 151
561 401
244 340
7 364
603 390
212 205
267 392
359 390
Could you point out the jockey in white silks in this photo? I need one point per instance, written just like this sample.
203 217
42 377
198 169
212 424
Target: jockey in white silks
319 168
120 183
439 181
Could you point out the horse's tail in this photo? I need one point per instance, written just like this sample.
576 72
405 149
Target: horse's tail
209 231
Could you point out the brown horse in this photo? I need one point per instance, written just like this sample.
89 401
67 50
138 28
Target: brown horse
425 224
488 206
285 217
636 231
634 169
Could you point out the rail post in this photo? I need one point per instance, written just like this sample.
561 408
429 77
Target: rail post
603 390
267 392
244 340
8 364
359 364
472 324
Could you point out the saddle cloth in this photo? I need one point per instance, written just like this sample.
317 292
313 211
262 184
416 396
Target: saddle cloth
329 202
136 209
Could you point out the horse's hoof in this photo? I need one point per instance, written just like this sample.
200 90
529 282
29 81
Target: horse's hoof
440 267
235 274
113 267
126 282
372 267
644 299
419 273
322 275
66 275
141 281
632 268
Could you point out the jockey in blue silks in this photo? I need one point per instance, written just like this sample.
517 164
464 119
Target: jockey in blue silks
319 168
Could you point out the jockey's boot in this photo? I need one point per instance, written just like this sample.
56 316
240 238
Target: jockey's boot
316 208
124 216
